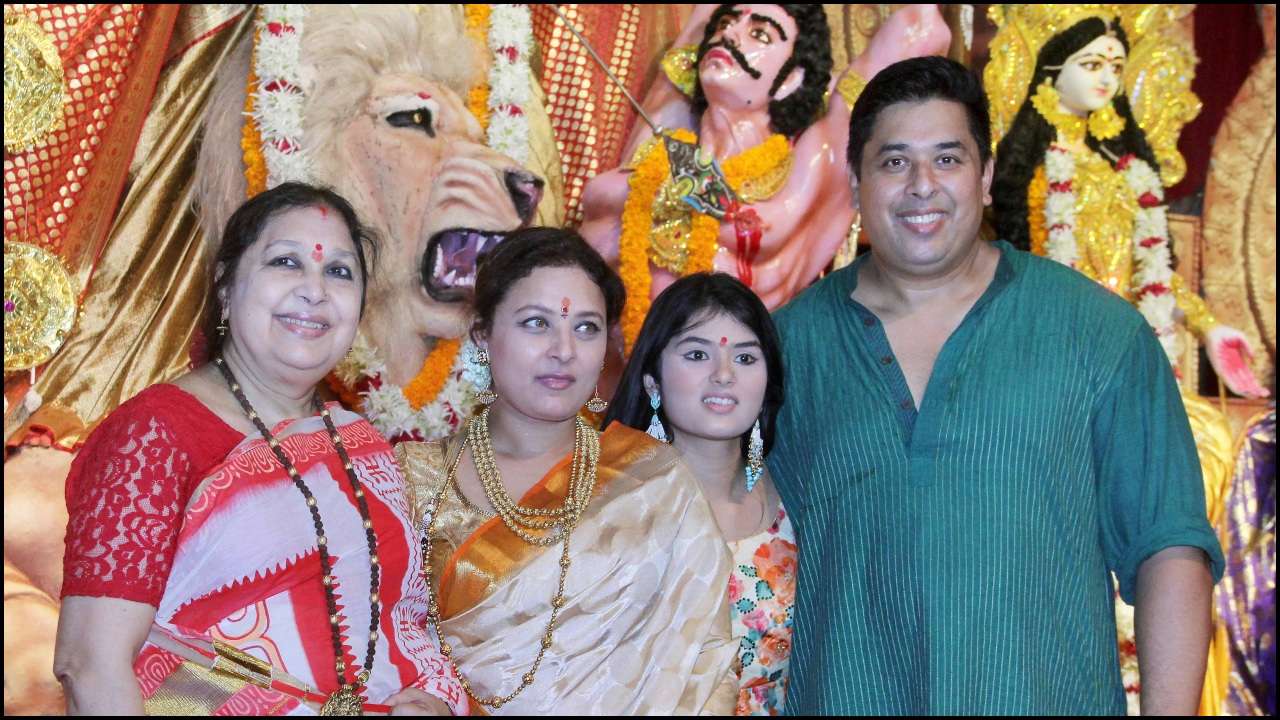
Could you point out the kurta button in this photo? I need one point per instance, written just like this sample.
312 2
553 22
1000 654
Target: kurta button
868 321
906 404
887 359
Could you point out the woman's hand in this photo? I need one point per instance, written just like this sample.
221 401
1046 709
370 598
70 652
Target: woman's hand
412 701
1229 354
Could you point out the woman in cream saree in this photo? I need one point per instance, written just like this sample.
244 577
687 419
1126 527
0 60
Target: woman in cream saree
641 622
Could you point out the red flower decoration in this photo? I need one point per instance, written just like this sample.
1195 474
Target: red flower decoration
1062 187
1151 242
1154 289
1148 200
1124 161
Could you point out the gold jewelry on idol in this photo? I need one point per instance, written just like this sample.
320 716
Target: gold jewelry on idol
485 394
524 522
1045 101
1105 123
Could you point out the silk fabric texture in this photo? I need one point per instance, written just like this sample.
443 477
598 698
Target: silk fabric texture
645 629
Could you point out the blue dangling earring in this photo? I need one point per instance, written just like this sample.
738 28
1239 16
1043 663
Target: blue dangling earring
755 457
656 430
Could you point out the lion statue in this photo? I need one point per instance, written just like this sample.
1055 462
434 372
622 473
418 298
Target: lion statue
384 124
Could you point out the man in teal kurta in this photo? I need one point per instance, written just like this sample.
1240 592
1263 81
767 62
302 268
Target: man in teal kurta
974 439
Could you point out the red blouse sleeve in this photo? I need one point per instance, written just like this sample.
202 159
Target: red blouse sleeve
128 487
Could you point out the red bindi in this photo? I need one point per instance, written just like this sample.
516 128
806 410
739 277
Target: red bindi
324 211
564 307
318 253
723 341
424 95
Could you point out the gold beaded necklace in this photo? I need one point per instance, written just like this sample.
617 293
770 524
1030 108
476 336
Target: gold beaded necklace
519 520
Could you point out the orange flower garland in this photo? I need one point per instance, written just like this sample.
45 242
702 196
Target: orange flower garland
1037 192
652 171
429 381
478 28
255 165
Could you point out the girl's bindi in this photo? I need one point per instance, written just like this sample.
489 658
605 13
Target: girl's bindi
723 341
318 253
564 307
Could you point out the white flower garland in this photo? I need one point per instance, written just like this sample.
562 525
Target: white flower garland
1153 262
278 106
511 39
389 410
278 100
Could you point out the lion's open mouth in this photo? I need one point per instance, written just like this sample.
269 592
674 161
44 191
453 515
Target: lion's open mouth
449 265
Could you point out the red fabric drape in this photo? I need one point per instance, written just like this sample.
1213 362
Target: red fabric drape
1228 42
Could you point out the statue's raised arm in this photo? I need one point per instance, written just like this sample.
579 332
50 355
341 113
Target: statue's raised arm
753 86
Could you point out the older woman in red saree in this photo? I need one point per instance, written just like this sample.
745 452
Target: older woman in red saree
234 546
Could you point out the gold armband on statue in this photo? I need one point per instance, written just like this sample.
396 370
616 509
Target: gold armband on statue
850 87
1198 317
680 66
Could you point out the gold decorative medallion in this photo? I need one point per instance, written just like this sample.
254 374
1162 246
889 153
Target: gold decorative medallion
343 703
33 90
39 306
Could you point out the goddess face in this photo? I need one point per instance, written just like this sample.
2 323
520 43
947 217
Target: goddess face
746 51
1091 77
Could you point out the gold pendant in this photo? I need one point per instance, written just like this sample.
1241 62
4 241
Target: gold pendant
344 702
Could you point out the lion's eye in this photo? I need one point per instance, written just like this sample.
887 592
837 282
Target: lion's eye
420 118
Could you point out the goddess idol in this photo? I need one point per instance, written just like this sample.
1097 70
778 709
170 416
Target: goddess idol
1082 161
1086 105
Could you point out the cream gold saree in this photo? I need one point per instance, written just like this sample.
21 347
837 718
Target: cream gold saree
645 629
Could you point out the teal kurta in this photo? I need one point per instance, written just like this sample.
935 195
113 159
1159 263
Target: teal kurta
956 560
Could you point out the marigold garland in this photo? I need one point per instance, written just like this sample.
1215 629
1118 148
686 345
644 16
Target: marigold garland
652 170
478 28
428 383
1037 191
255 165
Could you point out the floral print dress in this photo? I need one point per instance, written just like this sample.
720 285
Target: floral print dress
762 592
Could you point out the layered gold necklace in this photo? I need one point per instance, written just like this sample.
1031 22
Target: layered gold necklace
536 526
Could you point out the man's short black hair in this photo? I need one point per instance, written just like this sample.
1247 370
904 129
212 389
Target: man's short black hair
918 80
